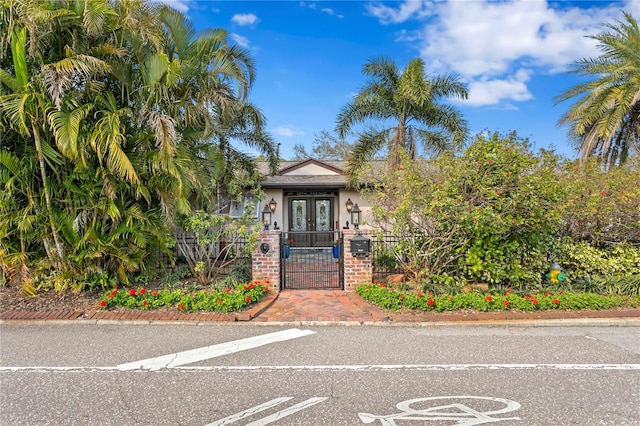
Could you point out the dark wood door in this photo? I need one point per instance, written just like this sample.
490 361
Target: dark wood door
311 221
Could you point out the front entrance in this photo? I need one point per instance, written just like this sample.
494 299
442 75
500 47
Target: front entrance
317 267
311 219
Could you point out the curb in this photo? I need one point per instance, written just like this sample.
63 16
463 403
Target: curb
135 316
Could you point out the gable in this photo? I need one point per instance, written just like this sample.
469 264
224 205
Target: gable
310 167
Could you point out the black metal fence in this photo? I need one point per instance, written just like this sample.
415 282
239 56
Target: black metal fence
227 252
385 255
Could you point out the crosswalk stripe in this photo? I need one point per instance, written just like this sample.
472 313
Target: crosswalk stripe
201 354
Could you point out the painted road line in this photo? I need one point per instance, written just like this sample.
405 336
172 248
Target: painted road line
287 411
418 367
250 411
208 352
425 367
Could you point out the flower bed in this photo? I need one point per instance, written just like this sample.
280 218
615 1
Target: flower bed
227 300
390 298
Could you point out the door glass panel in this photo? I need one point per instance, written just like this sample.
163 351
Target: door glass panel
299 215
323 217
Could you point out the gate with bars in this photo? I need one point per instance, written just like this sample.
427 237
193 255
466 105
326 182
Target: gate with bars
311 260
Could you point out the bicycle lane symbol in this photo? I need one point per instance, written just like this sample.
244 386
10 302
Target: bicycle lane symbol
453 410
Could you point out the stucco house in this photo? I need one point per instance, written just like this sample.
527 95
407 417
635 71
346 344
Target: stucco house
311 196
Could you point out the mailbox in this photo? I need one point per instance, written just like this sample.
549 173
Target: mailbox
360 245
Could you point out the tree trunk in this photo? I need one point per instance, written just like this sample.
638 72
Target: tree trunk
58 263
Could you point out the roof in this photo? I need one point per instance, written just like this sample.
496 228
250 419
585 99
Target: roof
305 173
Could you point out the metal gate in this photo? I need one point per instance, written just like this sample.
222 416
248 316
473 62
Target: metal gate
311 267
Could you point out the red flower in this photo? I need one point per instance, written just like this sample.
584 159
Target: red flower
181 307
375 281
144 303
219 301
546 293
227 290
143 291
490 162
489 298
534 301
383 285
556 302
430 293
505 303
244 287
430 302
419 295
247 299
132 292
103 303
154 294
509 290
115 287
251 285
527 297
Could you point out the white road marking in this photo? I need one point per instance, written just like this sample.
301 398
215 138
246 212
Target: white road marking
425 367
201 354
250 411
287 411
461 413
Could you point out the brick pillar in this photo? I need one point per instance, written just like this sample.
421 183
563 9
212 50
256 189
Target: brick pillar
266 266
357 270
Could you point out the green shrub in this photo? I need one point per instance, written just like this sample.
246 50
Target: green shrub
390 298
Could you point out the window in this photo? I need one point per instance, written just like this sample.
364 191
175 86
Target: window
237 208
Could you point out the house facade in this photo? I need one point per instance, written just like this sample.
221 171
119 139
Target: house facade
311 196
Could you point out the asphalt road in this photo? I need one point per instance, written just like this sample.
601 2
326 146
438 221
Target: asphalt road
563 373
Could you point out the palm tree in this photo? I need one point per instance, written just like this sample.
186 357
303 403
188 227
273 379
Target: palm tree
410 100
605 120
112 102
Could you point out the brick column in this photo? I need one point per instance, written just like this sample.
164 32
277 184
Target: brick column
357 270
266 266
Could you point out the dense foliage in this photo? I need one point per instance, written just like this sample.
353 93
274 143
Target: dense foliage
116 120
499 215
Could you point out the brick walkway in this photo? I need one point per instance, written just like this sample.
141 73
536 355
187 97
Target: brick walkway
325 306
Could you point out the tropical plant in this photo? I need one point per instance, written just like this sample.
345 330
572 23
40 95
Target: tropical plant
109 111
605 120
485 216
410 101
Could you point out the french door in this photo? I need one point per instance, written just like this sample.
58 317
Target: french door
308 218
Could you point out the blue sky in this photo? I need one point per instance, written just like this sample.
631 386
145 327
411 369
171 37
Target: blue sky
512 54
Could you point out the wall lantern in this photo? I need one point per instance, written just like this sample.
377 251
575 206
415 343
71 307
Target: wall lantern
272 205
266 217
355 216
349 205
267 213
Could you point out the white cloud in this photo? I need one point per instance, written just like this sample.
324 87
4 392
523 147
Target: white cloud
331 12
181 5
288 131
245 19
239 40
487 41
487 38
499 91
410 9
